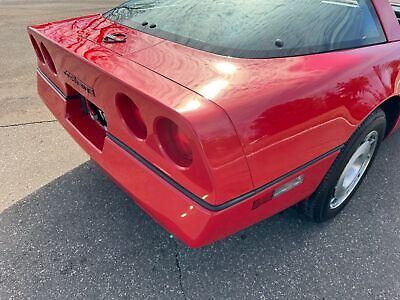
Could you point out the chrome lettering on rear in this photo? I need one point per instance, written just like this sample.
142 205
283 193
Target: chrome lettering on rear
80 83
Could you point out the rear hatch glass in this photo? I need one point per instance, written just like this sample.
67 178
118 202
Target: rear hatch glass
256 28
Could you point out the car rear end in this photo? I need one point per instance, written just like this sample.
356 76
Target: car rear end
176 153
143 129
163 119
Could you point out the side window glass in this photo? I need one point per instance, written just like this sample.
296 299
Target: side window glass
396 8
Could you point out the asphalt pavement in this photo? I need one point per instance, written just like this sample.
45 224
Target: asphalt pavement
67 231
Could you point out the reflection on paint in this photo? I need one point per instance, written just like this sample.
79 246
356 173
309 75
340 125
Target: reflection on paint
184 215
190 105
226 68
212 89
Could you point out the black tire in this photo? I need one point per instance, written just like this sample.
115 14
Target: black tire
318 206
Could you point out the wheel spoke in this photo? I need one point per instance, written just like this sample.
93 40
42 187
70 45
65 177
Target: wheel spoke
354 170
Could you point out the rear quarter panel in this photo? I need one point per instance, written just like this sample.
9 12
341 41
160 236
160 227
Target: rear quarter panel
304 107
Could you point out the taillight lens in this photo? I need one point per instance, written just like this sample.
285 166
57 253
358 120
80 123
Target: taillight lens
37 50
131 115
48 59
174 142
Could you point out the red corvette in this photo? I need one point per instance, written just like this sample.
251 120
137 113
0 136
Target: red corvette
214 115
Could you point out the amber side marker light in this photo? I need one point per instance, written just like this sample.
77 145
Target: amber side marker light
174 142
37 49
279 191
48 59
288 186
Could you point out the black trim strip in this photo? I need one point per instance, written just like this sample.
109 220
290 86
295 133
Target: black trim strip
178 186
55 87
200 201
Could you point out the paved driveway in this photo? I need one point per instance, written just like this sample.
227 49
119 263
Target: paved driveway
67 231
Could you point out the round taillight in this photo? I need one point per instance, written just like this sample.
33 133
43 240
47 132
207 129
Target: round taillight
131 116
174 142
37 50
48 59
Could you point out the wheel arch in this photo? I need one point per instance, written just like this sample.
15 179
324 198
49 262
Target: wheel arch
391 108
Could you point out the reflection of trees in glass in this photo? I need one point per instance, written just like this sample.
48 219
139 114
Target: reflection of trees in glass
131 9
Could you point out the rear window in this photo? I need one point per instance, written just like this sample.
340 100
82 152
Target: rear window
256 28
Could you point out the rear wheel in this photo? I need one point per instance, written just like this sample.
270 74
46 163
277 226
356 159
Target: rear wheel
348 170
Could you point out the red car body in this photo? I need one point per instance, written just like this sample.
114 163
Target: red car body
252 125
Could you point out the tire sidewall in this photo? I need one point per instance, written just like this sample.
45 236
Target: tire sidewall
376 121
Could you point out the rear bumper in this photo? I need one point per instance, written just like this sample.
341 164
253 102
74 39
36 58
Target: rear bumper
189 219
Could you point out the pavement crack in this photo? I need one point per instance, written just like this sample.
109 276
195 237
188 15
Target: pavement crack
28 123
178 266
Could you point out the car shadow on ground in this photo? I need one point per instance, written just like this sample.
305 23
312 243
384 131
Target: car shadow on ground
81 236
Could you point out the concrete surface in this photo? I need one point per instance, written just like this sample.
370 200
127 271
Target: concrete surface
66 231
18 100
27 161
33 155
